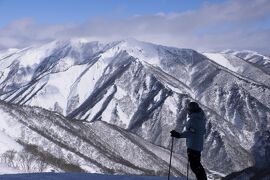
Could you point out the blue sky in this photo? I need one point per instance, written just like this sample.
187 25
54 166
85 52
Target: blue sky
66 11
202 25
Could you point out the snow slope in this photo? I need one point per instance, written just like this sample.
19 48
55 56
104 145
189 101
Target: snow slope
220 59
5 169
96 147
241 67
81 176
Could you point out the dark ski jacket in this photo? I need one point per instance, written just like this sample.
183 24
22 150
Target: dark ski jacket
195 130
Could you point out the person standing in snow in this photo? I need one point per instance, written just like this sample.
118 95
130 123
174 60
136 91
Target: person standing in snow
194 134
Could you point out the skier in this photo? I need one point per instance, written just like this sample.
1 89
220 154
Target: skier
194 134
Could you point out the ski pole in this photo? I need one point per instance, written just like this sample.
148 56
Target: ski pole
170 161
187 169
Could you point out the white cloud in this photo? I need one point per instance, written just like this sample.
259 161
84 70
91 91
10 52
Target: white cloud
212 27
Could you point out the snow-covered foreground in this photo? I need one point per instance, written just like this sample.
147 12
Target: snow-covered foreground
4 169
80 176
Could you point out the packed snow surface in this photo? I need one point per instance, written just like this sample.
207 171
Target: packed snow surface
81 176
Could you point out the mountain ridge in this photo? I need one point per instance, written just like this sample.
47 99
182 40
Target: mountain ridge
144 89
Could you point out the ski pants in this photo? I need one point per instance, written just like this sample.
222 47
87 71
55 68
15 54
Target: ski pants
194 158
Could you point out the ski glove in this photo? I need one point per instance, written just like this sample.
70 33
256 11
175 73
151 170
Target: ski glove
175 134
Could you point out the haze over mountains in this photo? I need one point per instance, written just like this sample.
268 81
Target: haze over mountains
111 106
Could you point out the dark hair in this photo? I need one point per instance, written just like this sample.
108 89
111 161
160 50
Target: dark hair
193 107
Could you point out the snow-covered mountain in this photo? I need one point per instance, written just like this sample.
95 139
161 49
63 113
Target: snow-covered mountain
84 147
143 88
